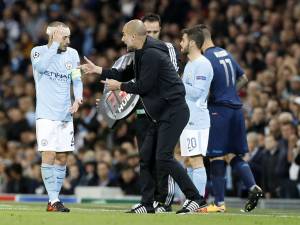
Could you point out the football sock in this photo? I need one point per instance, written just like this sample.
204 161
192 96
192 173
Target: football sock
49 180
242 168
59 174
199 179
189 171
218 172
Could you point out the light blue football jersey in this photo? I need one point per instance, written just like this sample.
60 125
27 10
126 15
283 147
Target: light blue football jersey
53 74
197 77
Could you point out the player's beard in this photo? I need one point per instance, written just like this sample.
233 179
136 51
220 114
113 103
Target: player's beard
62 48
185 50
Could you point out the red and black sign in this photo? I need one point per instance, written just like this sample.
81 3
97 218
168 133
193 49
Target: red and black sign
117 105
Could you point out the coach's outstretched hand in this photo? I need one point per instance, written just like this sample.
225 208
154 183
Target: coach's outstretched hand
75 106
90 67
111 84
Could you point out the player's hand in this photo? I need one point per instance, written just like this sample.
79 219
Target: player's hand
111 84
75 106
97 101
58 35
90 67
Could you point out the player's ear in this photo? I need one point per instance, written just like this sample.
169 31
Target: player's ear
191 43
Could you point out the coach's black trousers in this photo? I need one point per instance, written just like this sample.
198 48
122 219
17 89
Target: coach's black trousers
164 192
157 152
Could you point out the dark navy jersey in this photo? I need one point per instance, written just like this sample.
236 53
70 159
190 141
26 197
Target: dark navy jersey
226 72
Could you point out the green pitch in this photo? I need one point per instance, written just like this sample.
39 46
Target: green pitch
113 214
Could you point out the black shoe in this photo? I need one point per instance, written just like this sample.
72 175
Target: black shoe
190 206
254 195
57 207
139 208
161 208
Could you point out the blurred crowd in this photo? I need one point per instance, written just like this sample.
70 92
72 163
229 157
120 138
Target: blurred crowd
263 35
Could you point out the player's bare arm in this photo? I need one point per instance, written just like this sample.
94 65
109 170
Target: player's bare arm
241 82
74 108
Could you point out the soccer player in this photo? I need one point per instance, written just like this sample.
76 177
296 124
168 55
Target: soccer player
227 137
123 71
197 76
55 68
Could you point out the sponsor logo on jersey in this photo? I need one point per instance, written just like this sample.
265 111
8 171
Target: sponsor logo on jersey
60 77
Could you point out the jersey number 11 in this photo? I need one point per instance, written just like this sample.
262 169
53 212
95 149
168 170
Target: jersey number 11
228 67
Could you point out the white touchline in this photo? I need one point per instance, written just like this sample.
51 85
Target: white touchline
272 214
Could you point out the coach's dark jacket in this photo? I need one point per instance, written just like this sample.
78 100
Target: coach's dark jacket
124 70
157 82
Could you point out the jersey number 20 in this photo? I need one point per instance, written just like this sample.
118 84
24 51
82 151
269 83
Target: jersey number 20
191 143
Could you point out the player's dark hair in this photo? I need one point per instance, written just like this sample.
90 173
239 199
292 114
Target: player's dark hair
151 17
195 34
205 30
